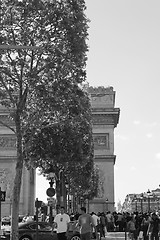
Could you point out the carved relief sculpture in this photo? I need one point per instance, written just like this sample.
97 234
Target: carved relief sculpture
7 142
5 176
101 184
101 141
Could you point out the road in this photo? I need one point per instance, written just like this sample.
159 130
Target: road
115 236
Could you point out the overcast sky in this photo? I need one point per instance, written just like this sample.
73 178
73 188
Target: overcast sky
124 41
124 52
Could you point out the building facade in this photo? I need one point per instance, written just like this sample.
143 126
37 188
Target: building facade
143 202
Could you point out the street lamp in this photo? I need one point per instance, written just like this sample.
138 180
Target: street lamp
135 200
106 204
158 203
67 196
148 193
141 198
51 191
51 177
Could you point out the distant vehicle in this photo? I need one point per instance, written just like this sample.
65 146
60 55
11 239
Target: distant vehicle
27 218
6 220
27 231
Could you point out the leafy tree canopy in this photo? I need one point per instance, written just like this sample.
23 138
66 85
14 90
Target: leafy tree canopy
65 134
58 31
40 74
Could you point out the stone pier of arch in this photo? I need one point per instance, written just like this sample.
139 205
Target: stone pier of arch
8 157
105 118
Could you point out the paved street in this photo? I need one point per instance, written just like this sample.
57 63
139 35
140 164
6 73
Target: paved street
115 236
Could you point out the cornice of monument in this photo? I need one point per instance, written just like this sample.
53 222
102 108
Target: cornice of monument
100 90
9 158
105 158
105 109
108 118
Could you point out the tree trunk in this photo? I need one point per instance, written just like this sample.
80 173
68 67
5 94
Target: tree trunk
17 183
58 195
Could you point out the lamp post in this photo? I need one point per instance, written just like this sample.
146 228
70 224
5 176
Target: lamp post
106 204
50 192
135 200
141 198
67 196
158 203
148 193
81 201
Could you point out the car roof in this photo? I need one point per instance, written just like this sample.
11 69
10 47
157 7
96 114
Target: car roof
22 224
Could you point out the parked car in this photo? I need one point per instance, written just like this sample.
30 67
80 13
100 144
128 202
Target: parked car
27 231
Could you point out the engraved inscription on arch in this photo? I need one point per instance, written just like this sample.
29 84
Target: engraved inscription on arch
102 99
7 142
102 119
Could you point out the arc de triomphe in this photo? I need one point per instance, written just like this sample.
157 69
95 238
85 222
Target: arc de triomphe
105 119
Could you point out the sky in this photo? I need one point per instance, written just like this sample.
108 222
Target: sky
124 52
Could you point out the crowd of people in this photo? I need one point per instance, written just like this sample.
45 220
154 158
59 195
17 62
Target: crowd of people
137 225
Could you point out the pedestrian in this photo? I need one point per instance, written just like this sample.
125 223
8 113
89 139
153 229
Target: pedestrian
110 222
102 224
145 225
154 227
120 222
86 223
131 228
61 222
96 220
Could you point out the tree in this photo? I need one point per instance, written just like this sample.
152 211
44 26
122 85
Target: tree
64 140
56 31
65 133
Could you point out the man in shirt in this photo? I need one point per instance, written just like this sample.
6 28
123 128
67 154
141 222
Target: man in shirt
154 227
61 222
96 221
86 223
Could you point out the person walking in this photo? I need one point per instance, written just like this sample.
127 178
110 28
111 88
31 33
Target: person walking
96 220
145 225
110 222
154 227
61 222
86 223
102 225
131 228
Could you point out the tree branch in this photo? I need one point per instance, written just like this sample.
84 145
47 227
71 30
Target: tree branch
14 66
6 72
8 92
22 101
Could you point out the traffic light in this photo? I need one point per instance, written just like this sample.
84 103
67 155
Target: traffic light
38 204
